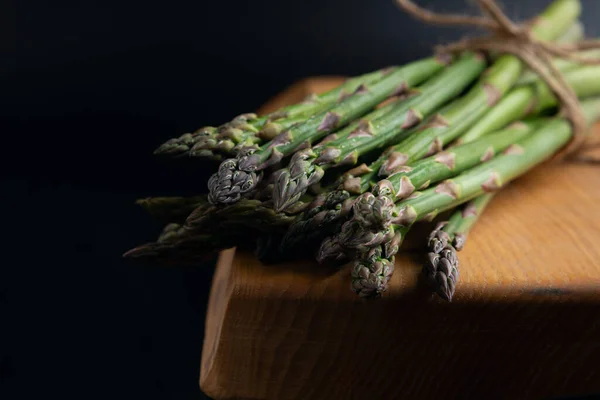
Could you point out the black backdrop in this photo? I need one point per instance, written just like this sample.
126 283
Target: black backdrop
89 89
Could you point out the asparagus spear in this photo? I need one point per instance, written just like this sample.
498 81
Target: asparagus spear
345 147
441 267
247 213
377 229
178 245
228 142
574 34
310 163
315 226
326 213
454 231
322 220
209 230
250 129
446 164
459 116
172 209
561 64
171 231
191 250
304 158
179 146
238 176
533 99
370 274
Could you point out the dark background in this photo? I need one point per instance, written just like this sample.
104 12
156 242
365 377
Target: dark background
89 89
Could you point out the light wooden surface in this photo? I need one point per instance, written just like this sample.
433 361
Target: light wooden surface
524 324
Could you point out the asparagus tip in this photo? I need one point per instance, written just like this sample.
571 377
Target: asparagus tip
331 250
139 251
441 269
371 274
230 182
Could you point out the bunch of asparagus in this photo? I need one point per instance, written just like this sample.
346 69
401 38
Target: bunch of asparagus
347 173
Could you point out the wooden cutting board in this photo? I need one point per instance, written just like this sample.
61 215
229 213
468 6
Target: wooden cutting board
524 324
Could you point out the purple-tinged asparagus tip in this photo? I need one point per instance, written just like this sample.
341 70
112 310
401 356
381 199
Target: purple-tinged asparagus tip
145 250
230 183
331 250
371 275
441 270
171 149
295 180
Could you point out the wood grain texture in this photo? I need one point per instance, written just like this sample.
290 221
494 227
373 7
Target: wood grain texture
525 322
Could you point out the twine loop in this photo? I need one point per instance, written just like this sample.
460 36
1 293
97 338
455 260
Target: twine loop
510 38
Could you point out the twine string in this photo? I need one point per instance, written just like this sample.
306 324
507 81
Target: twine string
510 38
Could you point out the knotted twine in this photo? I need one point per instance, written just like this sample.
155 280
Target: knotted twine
507 37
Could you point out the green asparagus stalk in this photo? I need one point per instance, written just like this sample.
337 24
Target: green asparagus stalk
376 227
520 102
344 148
455 119
249 129
574 34
305 157
230 138
441 267
533 99
446 164
238 176
325 218
563 65
314 104
456 229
